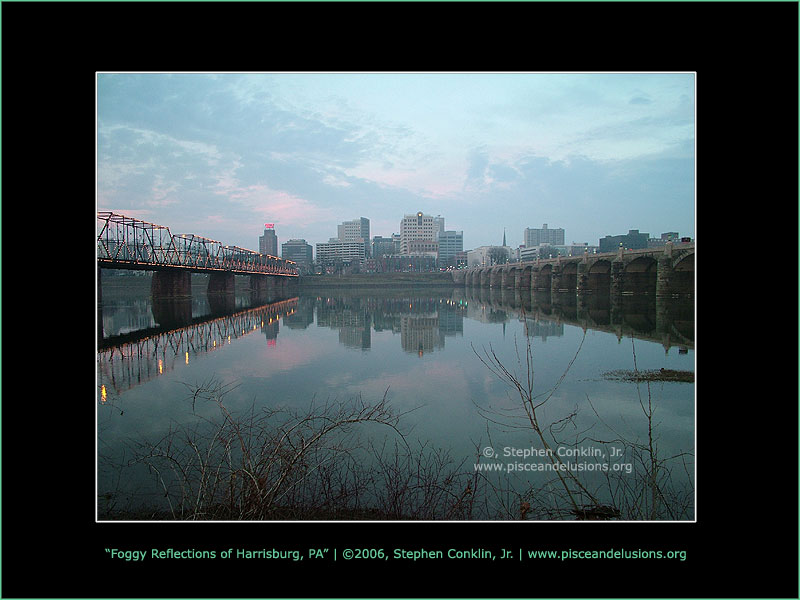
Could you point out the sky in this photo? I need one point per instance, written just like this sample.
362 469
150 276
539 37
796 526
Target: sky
221 154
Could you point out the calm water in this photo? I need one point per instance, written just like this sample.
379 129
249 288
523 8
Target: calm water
420 350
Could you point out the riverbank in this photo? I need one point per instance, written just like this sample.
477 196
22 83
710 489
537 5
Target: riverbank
378 280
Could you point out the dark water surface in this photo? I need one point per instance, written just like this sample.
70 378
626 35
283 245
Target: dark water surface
429 354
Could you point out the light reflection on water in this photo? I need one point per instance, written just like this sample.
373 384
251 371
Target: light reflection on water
418 349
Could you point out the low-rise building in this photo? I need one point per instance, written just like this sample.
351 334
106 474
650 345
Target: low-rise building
338 252
632 240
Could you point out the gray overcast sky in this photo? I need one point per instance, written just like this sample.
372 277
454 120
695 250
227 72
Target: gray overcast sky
219 155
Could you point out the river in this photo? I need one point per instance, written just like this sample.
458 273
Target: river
422 403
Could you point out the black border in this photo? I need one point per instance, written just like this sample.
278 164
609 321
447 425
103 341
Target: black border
745 55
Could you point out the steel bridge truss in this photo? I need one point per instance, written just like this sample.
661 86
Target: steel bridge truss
125 242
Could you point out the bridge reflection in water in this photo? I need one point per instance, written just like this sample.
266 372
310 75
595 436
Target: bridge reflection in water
667 321
127 360
423 321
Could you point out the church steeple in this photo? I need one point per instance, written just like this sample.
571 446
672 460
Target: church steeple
504 237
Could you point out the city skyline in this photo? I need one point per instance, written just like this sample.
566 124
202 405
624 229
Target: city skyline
219 155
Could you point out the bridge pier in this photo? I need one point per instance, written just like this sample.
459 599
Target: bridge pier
172 283
617 275
664 277
664 272
555 277
221 283
582 283
523 280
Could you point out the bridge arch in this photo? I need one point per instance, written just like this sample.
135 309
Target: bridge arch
569 277
509 277
543 278
640 276
495 277
524 277
682 280
598 277
484 277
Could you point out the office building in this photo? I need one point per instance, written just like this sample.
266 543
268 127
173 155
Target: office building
383 246
632 240
300 252
356 230
268 243
670 236
438 224
416 227
336 251
537 237
450 244
423 248
488 255
527 253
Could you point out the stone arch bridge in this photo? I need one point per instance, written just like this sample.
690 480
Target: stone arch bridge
667 271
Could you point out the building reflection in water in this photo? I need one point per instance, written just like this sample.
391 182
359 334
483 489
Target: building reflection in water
422 321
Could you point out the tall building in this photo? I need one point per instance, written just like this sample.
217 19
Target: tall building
450 244
356 230
416 227
268 243
300 252
438 224
536 237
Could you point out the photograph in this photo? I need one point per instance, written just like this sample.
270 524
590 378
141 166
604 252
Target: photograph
396 296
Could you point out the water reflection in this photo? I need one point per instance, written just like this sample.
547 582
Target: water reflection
138 356
668 321
423 322
173 333
420 346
